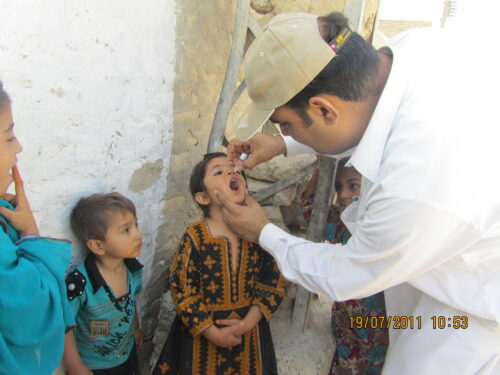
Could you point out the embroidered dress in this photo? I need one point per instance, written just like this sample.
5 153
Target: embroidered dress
34 312
359 351
205 288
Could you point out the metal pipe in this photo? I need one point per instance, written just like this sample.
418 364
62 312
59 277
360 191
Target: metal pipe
228 87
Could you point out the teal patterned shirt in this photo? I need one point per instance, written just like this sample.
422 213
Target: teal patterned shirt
105 323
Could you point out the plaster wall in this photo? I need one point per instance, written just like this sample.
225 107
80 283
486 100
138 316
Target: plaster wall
92 90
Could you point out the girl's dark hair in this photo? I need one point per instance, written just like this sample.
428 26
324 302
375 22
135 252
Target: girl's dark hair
196 184
342 162
198 175
4 97
351 75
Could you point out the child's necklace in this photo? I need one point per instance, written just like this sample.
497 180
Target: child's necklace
118 301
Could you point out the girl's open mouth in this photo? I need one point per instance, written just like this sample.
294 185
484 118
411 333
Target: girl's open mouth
234 184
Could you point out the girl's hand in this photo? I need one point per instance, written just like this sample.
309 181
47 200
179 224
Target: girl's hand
21 217
223 337
11 198
252 318
233 322
228 337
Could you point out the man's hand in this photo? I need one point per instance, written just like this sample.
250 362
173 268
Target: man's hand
21 217
246 221
260 148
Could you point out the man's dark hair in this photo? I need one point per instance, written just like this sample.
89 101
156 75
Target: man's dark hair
351 75
342 162
196 184
4 97
91 217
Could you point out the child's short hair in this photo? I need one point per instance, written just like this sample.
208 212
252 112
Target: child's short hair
198 175
90 218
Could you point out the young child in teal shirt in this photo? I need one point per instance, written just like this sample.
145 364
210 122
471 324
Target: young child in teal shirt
34 312
103 289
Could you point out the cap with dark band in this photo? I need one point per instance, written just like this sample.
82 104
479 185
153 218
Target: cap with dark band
283 60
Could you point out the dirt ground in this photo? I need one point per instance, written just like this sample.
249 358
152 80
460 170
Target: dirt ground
309 352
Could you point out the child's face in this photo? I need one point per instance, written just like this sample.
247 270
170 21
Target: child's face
220 175
123 239
347 185
9 148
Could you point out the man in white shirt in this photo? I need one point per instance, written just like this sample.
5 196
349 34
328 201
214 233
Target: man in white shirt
427 226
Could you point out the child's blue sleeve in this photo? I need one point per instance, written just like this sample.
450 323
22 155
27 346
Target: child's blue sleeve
75 291
34 312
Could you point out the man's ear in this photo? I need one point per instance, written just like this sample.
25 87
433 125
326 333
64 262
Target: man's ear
324 106
202 198
96 246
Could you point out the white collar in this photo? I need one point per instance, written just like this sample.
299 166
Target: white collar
368 154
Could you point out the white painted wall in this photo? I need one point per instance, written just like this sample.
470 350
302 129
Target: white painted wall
92 89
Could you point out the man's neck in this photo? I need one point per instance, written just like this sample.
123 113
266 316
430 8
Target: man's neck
384 69
367 107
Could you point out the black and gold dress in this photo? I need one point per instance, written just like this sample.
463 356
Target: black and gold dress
205 288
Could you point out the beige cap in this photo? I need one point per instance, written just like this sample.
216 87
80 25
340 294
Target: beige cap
283 60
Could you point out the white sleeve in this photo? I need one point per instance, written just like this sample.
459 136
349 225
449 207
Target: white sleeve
394 241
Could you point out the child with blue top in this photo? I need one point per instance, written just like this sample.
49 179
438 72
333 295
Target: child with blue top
103 289
34 312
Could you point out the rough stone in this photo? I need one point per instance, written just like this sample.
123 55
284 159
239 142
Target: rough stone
282 198
145 176
180 171
262 6
293 216
165 319
320 7
273 213
391 28
281 167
